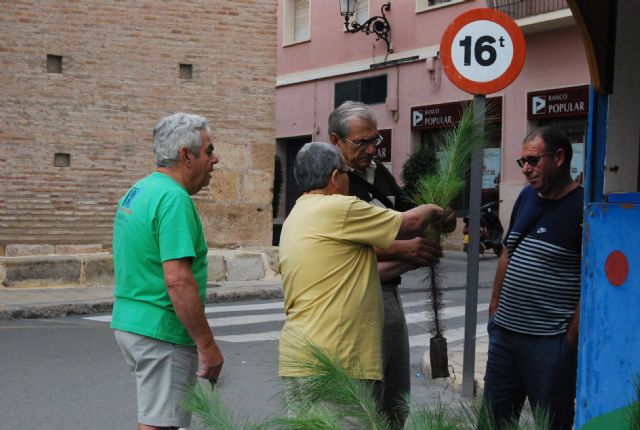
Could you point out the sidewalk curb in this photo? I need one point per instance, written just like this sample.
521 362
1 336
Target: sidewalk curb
216 293
54 310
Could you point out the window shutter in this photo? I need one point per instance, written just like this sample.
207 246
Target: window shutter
301 20
362 11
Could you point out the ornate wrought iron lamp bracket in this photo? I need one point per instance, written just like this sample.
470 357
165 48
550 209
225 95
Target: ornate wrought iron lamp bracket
376 24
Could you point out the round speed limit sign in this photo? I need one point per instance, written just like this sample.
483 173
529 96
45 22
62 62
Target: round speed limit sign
482 51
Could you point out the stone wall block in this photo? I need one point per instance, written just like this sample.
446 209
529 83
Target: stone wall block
245 267
52 270
225 186
97 269
22 250
78 249
271 258
257 188
226 225
216 266
262 156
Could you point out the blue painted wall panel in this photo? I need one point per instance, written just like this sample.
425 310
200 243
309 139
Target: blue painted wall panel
609 346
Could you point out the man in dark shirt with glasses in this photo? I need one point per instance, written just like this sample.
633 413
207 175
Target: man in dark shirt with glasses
534 311
353 128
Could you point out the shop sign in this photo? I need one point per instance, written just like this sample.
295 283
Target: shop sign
491 168
558 103
383 152
447 114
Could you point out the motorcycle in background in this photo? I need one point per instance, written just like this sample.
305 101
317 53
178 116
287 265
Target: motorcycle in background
490 229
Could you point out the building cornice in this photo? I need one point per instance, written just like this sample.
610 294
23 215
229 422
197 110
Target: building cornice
531 24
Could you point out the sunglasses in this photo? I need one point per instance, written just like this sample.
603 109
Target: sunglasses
531 160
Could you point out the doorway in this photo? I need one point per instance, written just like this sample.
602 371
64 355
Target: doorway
288 148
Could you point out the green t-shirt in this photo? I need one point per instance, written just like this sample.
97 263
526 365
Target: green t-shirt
155 221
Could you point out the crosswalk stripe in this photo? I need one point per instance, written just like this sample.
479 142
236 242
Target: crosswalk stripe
452 335
452 312
103 318
242 308
250 337
245 319
414 303
412 318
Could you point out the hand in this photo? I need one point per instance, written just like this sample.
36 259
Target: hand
211 361
448 222
572 336
493 308
435 213
421 252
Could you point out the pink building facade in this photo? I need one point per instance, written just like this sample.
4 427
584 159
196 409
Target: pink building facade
320 64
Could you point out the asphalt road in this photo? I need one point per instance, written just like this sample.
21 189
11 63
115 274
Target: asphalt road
67 373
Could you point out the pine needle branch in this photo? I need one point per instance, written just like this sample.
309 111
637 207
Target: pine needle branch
441 187
212 413
330 384
458 143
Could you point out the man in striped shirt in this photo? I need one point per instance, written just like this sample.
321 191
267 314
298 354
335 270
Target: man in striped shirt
534 311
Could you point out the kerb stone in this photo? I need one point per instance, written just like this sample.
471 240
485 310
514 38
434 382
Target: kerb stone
243 266
98 269
49 270
216 270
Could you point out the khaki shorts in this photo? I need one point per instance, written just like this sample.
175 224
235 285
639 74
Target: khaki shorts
165 374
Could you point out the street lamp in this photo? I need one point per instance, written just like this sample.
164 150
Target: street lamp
376 24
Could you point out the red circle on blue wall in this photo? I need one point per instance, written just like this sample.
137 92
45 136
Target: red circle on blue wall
616 268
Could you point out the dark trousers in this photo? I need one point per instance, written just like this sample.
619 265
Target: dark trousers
395 358
542 368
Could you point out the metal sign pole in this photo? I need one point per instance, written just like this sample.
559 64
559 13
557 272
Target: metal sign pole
479 59
473 251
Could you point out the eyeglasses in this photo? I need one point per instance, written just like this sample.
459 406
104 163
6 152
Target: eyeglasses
342 171
376 141
531 160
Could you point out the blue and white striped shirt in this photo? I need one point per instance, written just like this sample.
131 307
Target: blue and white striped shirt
542 284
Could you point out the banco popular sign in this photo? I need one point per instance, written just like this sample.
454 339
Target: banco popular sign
557 103
448 114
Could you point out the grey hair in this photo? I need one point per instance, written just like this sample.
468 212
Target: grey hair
314 164
339 118
174 132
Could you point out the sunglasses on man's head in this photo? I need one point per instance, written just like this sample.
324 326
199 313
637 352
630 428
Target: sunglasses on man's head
531 160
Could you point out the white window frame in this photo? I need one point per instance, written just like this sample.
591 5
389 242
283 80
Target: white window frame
423 5
288 33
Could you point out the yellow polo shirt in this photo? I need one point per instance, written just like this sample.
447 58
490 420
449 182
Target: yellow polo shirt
331 286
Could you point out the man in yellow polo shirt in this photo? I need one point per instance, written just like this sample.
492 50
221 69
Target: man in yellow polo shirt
328 266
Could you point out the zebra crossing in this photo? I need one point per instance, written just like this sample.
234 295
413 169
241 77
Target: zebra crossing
262 321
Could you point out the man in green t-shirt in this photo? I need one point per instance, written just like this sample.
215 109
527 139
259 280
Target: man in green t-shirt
160 263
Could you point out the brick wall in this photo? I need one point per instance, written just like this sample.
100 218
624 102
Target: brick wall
120 75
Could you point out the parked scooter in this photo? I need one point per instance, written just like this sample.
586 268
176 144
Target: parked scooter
490 229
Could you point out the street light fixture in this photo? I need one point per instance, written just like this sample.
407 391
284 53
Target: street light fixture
376 24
